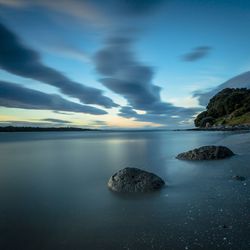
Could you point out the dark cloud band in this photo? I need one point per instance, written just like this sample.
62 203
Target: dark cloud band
20 60
124 75
174 116
197 54
53 120
15 96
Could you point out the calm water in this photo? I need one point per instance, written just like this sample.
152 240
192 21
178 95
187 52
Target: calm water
53 193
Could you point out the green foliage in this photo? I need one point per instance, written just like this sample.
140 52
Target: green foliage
234 120
228 107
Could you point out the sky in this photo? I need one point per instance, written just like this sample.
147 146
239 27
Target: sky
118 63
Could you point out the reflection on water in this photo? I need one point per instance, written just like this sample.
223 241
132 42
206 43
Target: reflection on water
54 195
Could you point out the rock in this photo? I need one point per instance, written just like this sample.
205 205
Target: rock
199 118
207 120
130 180
206 153
238 178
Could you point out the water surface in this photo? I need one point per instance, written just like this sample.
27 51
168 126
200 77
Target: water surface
53 192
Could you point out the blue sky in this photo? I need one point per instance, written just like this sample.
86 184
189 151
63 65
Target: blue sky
117 64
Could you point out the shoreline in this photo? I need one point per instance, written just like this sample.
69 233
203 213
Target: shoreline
11 129
220 128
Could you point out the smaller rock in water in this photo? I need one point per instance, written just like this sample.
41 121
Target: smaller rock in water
206 153
238 178
129 180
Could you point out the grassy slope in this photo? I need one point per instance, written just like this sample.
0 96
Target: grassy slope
243 119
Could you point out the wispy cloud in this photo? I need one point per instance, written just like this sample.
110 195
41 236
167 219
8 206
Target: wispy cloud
95 12
18 59
83 10
62 113
133 80
53 120
120 70
26 124
197 54
15 96
170 118
46 122
68 51
126 76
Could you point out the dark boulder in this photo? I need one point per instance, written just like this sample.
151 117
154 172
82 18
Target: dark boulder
199 118
207 120
206 153
130 180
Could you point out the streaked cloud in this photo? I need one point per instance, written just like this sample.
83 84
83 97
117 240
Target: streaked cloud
47 122
53 120
62 113
170 118
18 59
82 10
126 76
27 124
96 12
197 54
63 50
15 96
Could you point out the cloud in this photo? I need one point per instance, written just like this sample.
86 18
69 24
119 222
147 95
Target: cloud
52 120
136 8
239 81
99 124
171 118
119 69
27 124
13 3
47 122
65 50
62 113
127 112
197 54
15 96
96 12
83 10
126 76
18 59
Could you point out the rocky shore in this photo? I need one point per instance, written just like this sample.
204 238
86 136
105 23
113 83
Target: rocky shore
223 128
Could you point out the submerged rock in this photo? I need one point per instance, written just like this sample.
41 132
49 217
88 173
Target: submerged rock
206 153
238 178
130 180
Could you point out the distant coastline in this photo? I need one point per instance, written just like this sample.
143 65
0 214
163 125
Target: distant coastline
76 129
72 129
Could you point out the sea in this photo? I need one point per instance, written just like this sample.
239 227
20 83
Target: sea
54 194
